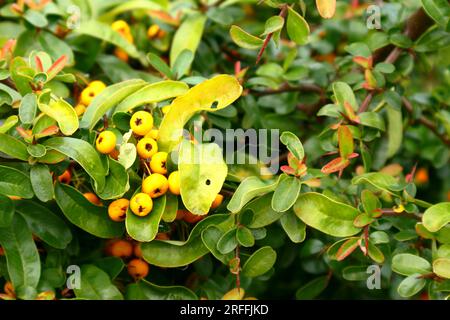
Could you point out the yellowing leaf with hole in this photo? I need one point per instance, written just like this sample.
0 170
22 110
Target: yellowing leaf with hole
202 173
220 91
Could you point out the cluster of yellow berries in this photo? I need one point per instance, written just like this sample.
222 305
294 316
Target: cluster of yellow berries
154 185
88 94
124 30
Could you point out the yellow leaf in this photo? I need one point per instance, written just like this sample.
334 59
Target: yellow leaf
210 95
326 8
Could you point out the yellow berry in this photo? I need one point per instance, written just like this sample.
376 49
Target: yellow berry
117 210
92 198
217 201
158 163
80 109
106 142
155 185
146 148
138 268
234 294
141 204
97 85
174 183
141 123
153 31
152 134
121 26
87 95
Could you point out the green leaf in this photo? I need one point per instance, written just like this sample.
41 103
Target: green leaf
36 18
312 289
45 224
144 290
172 254
21 74
379 180
408 264
96 285
250 188
85 215
263 214
36 150
222 89
15 183
292 142
8 124
84 154
152 93
441 267
395 131
244 39
369 201
372 119
385 67
13 147
375 253
160 65
286 193
111 265
104 32
183 63
245 237
6 211
347 248
355 273
131 5
344 93
202 173
273 24
210 237
401 40
107 99
261 261
187 36
42 182
227 242
293 226
437 216
432 40
22 257
56 47
438 10
61 111
116 182
327 215
345 139
145 229
411 285
297 27
171 208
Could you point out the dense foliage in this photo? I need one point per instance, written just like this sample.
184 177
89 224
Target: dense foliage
103 195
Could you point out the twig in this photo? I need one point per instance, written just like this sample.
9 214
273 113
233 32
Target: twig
269 36
392 213
426 122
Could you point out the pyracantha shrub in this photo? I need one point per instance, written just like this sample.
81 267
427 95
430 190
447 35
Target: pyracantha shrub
119 172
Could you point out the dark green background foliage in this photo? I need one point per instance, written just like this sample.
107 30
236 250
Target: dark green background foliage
364 151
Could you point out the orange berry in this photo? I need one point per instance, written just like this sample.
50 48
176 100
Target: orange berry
217 201
117 210
421 176
2 251
138 268
162 236
121 54
65 177
9 289
180 214
192 218
137 250
92 197
121 249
